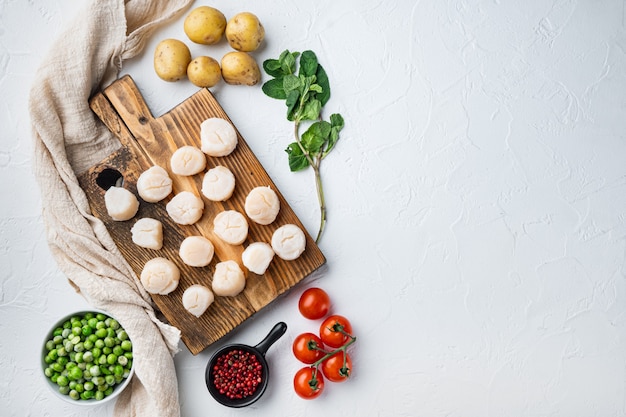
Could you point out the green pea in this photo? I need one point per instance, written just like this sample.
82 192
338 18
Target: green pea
100 342
122 335
101 316
59 339
128 355
96 352
67 324
88 356
110 379
94 370
58 331
61 351
118 351
62 381
57 367
87 395
109 342
77 330
64 390
108 391
75 373
99 395
74 395
98 380
126 345
79 357
106 350
63 360
88 344
122 360
79 347
111 359
118 370
88 386
50 345
87 330
48 372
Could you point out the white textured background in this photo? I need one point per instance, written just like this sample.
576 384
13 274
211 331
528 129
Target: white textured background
477 206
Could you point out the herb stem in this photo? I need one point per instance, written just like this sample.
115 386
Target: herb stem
318 180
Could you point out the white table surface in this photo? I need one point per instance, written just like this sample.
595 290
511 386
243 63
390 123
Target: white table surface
476 206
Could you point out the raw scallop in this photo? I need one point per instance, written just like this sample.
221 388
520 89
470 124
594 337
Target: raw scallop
196 251
262 205
218 137
185 208
218 184
197 298
120 203
160 276
257 257
231 226
147 233
288 242
228 280
154 184
187 160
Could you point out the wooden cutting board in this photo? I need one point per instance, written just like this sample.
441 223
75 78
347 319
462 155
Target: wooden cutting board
148 141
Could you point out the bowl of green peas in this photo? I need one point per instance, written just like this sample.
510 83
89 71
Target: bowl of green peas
87 358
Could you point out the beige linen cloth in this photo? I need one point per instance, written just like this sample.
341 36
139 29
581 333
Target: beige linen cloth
68 138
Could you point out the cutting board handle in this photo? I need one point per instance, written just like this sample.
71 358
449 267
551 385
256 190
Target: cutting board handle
129 104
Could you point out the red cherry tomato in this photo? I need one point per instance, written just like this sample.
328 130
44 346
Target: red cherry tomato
314 303
334 369
330 331
304 348
306 386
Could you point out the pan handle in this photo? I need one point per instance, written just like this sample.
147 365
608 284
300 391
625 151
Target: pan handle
277 331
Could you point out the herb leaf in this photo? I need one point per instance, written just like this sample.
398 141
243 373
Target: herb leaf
274 89
297 159
308 63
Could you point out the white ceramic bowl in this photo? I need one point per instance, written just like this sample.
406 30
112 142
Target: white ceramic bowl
117 389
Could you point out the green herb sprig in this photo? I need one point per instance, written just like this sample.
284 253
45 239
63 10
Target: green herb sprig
305 94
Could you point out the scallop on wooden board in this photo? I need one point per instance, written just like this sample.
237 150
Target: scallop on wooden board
148 141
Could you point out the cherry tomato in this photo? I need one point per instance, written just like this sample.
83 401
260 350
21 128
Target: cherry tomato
330 331
306 386
304 348
314 303
333 367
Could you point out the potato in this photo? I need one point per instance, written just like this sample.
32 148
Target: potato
205 25
171 58
244 32
240 68
204 71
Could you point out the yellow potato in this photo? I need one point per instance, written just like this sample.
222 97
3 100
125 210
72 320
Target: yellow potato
244 32
205 25
204 71
171 58
240 68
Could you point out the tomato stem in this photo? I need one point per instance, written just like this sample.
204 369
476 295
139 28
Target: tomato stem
344 370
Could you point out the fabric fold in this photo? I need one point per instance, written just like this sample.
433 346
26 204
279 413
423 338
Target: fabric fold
68 139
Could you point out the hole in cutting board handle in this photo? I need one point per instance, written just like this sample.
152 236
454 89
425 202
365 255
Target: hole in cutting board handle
108 178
